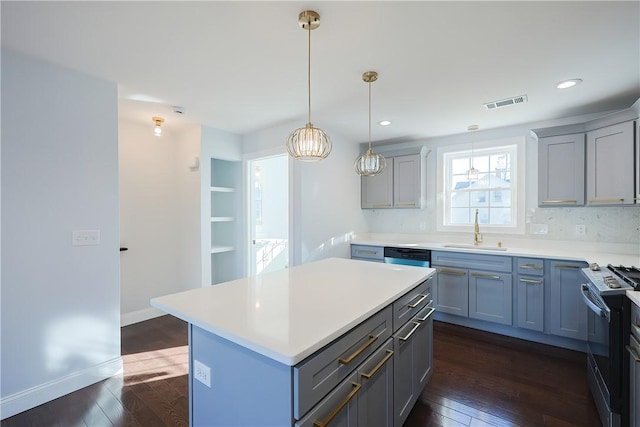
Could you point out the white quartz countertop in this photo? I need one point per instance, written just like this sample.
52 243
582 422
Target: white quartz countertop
287 315
634 296
602 254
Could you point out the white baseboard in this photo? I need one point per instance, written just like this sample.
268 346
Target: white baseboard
32 397
140 316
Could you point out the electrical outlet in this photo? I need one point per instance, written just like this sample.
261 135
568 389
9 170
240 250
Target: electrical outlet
581 230
202 373
85 237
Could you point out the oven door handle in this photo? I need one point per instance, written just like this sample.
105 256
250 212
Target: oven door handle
585 296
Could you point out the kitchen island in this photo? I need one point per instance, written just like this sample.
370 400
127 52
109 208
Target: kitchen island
297 347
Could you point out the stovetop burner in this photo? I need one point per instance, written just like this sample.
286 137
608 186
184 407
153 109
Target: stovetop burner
631 275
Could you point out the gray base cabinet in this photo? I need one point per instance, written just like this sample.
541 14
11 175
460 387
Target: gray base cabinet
490 297
568 314
452 290
375 400
634 382
530 290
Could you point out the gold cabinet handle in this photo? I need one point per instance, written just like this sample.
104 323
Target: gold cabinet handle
422 319
551 202
537 282
634 353
567 266
414 305
357 353
486 276
531 267
416 326
453 272
381 205
336 411
360 251
379 365
405 204
607 200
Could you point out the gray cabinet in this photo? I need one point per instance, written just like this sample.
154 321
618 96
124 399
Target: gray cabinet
561 163
567 314
367 253
400 186
340 407
375 399
490 296
413 362
475 286
530 293
610 165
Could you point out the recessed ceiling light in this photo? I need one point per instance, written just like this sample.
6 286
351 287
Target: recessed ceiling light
384 123
568 83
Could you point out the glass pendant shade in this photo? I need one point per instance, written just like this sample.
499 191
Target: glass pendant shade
369 164
309 144
473 174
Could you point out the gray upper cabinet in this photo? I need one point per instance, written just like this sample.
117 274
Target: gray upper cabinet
407 184
401 185
377 191
610 165
561 161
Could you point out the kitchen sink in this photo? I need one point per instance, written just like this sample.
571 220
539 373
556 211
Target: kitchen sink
473 247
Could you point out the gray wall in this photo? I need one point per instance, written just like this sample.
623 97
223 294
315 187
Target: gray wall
60 303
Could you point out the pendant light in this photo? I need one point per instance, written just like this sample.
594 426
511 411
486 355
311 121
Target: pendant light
309 144
472 174
370 163
157 131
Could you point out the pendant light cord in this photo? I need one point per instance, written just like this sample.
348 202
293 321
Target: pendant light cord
309 68
369 116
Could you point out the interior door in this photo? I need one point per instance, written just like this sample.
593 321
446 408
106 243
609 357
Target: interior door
268 214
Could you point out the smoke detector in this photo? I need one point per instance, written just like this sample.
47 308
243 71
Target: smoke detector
178 110
505 102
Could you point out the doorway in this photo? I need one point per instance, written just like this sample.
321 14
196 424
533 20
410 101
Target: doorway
268 213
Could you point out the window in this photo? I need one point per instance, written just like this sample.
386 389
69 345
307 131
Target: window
485 178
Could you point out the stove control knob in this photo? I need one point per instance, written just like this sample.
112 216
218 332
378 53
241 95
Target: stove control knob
594 266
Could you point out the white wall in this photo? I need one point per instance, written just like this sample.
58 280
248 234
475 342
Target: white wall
603 224
60 303
326 195
159 214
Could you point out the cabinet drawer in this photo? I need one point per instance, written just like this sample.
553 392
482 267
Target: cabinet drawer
374 253
405 307
317 375
472 261
341 403
530 266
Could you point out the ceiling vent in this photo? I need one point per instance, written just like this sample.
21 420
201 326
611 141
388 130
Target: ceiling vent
505 102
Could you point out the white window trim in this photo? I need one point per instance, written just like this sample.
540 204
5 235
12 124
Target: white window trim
518 172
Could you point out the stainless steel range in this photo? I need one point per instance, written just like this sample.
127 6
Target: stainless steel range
608 329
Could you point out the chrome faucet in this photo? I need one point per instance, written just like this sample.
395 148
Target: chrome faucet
477 237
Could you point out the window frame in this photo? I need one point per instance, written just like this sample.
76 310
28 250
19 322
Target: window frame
517 180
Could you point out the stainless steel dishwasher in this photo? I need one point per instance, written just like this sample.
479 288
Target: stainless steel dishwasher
407 256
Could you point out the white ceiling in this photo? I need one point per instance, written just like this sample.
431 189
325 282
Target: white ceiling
241 66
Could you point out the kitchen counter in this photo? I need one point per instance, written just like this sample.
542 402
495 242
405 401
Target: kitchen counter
287 315
634 296
601 253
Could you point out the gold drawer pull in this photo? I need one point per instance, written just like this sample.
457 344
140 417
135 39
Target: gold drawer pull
357 353
567 266
454 272
550 202
360 251
405 204
416 326
422 319
634 353
537 282
531 267
381 205
609 200
418 302
336 411
379 365
486 276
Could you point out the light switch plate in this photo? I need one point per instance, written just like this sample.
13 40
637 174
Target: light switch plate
85 237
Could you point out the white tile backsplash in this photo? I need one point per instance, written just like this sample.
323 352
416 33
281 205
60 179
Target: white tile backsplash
603 224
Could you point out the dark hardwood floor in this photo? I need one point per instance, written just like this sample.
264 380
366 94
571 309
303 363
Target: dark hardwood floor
479 379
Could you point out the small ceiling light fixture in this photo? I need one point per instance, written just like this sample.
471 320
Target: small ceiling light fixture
568 83
385 123
472 174
309 144
157 131
370 163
